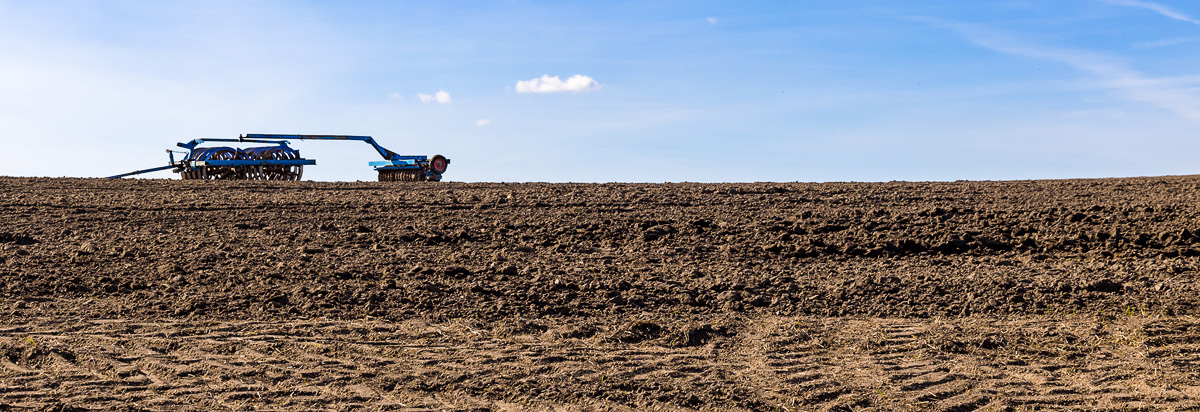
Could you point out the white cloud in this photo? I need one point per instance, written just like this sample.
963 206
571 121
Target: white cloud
1155 7
712 20
394 96
482 122
547 84
441 97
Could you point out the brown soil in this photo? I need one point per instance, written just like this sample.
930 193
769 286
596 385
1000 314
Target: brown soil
1030 295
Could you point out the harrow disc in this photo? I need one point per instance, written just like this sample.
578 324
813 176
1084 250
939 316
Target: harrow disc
248 172
222 172
212 172
277 172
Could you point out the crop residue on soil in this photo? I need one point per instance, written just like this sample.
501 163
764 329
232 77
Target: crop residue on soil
1025 295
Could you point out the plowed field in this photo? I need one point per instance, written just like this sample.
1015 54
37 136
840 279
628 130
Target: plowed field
955 296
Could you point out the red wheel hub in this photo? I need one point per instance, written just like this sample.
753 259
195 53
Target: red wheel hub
438 164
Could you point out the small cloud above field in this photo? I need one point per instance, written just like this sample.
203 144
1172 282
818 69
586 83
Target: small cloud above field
547 84
482 122
440 97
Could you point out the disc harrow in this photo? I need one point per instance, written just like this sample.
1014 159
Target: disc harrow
250 171
281 162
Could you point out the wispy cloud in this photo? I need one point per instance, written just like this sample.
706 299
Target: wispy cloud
482 122
547 84
1166 42
1155 7
1176 94
440 97
712 20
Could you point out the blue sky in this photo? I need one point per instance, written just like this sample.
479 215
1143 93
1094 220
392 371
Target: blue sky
661 91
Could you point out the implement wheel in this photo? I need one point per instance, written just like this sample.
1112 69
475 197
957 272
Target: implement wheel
438 164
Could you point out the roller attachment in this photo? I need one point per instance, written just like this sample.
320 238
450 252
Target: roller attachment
401 175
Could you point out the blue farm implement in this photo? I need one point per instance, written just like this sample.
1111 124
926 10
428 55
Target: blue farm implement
281 162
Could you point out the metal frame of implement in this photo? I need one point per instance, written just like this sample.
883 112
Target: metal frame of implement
281 162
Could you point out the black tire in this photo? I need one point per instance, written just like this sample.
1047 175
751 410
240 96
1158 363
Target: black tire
438 164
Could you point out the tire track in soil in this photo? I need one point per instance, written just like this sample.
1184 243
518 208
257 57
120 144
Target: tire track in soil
889 296
793 359
789 363
303 365
916 379
852 364
795 363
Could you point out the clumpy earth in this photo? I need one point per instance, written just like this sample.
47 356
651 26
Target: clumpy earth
954 296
